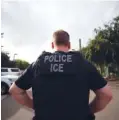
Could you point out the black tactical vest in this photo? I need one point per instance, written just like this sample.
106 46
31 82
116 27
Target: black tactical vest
60 87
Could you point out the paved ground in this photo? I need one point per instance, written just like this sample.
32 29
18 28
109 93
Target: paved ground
10 110
3 97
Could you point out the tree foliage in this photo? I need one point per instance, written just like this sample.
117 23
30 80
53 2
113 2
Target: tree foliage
104 48
21 64
6 62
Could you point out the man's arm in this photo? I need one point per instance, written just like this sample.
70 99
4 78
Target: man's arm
103 97
19 87
101 89
21 96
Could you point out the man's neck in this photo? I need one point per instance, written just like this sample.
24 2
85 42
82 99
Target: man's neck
63 49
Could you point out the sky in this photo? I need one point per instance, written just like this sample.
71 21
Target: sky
28 25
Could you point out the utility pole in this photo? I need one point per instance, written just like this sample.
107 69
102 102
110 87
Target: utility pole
14 56
2 35
80 44
1 47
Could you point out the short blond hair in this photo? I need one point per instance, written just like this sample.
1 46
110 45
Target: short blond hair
61 37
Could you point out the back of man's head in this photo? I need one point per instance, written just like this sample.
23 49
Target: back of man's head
61 38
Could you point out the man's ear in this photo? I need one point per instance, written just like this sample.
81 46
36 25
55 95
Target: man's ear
52 45
69 45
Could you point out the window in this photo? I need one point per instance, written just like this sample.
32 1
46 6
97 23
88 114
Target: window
14 70
4 70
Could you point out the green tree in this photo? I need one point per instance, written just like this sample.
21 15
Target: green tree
110 32
103 49
22 64
4 60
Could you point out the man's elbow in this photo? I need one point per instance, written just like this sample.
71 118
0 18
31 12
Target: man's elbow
106 98
11 91
105 93
109 96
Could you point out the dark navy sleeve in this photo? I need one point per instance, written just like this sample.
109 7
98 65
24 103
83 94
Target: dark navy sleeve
25 80
96 81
